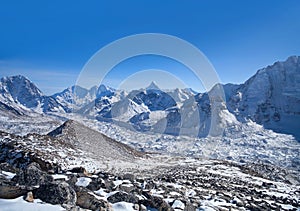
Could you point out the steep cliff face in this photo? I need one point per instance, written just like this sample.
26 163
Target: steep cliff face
271 97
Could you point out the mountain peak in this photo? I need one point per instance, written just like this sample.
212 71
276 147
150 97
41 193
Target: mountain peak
15 79
19 91
293 59
105 91
152 85
20 88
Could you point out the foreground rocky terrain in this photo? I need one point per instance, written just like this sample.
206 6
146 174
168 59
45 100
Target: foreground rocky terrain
194 185
58 170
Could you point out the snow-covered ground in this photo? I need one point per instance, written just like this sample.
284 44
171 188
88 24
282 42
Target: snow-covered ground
243 143
20 204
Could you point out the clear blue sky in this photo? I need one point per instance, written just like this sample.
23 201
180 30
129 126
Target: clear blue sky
50 41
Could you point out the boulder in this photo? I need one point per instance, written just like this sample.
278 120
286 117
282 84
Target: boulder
12 191
143 207
155 202
123 196
129 177
32 175
96 184
56 193
89 201
80 170
8 167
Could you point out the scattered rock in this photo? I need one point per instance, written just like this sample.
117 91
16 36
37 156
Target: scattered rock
56 193
155 202
123 196
12 191
129 177
32 175
79 170
29 197
89 201
143 207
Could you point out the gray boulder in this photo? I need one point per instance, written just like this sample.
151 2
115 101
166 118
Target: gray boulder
123 196
11 191
88 201
32 175
56 193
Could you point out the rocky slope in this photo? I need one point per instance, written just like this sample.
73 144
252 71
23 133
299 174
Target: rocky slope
96 144
173 183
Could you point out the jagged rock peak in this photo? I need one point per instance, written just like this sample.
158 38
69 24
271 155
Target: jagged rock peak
19 85
105 91
153 85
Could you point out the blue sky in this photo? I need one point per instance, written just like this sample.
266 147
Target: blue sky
50 41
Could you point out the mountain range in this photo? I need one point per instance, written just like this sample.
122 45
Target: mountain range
270 98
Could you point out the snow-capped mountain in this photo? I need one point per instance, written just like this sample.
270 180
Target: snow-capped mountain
21 94
180 95
105 91
152 97
101 103
271 97
76 97
141 109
